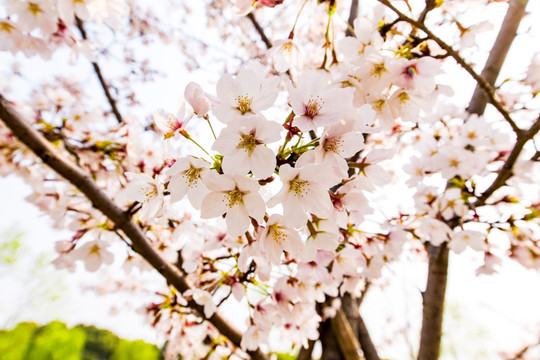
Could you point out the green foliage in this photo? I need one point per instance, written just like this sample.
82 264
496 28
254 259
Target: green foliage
14 344
127 350
55 341
100 344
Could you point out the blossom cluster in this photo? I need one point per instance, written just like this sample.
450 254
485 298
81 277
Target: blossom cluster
286 202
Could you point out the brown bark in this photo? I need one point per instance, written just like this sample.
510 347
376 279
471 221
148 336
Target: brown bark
77 177
433 303
507 33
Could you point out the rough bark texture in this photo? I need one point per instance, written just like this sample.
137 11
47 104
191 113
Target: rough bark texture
77 177
433 303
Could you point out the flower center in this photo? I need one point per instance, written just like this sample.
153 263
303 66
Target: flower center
34 8
378 69
149 191
234 197
403 97
277 234
297 186
5 26
192 175
313 106
244 104
332 144
248 142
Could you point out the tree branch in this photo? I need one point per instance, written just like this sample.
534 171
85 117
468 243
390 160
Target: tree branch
122 220
506 171
368 348
345 336
482 83
260 30
433 303
101 79
507 33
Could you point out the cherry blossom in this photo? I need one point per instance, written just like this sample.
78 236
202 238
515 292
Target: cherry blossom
236 197
275 238
316 103
242 143
303 191
187 176
245 95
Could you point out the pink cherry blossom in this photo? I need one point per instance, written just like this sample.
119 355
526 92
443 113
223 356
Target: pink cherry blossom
236 197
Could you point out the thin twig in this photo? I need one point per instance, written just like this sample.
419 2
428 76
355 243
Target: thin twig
121 219
260 30
483 83
99 74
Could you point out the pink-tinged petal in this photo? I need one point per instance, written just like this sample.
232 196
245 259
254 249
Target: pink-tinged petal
217 182
255 206
267 97
227 90
236 163
180 165
304 123
237 220
318 201
351 143
294 244
262 162
165 121
293 213
227 140
92 262
196 195
178 187
287 173
268 131
247 184
238 291
214 205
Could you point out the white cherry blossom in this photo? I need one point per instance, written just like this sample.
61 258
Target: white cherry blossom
242 145
187 176
147 191
303 192
316 103
276 237
245 95
236 197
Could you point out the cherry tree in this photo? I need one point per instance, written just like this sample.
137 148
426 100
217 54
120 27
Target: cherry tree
271 186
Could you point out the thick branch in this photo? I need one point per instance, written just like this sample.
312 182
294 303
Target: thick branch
44 150
260 30
433 303
104 85
345 336
506 171
368 348
482 83
507 33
